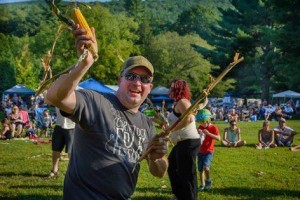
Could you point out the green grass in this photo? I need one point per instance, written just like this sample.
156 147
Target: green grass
244 173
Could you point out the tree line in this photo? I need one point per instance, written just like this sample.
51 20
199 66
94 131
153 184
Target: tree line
188 39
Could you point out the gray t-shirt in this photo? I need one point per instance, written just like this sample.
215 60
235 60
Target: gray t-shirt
108 141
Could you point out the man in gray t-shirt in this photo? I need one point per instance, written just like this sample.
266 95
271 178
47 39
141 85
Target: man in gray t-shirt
110 134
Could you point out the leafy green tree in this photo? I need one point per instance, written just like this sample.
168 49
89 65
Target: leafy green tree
26 72
198 19
174 56
115 37
134 9
286 14
7 76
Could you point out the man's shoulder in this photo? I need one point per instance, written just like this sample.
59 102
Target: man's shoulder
289 128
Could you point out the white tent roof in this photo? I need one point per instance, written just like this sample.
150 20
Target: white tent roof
160 90
114 87
288 93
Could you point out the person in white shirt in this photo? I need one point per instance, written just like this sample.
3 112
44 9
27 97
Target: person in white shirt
288 110
284 135
63 136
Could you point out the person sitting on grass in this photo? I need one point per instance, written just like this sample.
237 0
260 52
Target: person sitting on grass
232 136
6 129
266 137
16 122
232 115
284 135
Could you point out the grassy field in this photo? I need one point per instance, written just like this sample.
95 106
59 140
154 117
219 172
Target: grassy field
244 173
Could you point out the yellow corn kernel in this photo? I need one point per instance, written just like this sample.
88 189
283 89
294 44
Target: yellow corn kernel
79 19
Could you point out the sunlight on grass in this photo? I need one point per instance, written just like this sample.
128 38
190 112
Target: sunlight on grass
244 173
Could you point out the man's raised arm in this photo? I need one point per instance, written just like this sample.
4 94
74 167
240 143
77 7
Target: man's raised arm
61 93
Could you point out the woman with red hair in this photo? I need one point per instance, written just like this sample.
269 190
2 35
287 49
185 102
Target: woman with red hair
182 166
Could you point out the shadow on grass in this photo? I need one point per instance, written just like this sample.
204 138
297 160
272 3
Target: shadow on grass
25 174
33 197
256 193
54 187
251 145
164 193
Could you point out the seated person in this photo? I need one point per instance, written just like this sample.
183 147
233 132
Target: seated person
268 111
6 129
266 137
284 135
16 121
245 114
261 112
288 110
232 136
252 115
278 113
232 115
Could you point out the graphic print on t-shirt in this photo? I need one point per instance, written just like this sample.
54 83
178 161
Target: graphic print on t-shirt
127 139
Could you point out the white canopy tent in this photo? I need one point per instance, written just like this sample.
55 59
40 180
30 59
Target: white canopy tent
287 94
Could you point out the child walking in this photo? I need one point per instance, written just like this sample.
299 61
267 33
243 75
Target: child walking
205 155
47 122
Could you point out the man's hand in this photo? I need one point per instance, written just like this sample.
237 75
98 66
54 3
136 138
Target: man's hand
158 163
158 147
83 41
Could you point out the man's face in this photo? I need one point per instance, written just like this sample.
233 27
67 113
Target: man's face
132 91
282 124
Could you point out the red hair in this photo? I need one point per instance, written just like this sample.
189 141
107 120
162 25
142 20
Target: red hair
179 90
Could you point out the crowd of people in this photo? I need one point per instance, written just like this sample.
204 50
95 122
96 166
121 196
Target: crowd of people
190 142
254 111
106 134
26 118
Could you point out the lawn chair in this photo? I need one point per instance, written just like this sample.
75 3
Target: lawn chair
25 116
38 118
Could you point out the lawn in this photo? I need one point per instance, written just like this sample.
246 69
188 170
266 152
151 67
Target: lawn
244 173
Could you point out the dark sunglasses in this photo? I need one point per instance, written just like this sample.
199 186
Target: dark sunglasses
130 76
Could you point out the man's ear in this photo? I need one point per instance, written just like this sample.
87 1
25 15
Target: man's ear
151 86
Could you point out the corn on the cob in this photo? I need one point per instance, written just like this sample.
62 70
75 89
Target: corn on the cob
79 19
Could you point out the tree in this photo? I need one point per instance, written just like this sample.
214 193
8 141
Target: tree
286 14
174 56
134 9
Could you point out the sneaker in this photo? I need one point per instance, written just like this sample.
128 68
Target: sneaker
201 187
208 185
53 174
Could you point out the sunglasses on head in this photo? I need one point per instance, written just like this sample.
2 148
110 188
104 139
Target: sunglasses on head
130 76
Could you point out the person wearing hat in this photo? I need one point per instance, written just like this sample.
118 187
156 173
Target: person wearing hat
110 133
232 136
284 135
206 150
